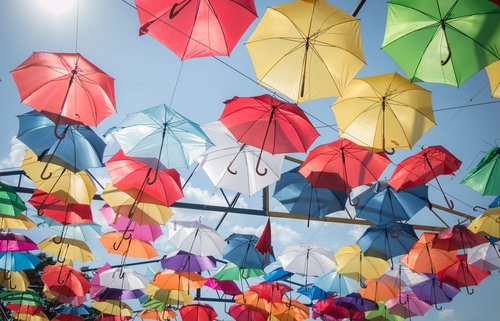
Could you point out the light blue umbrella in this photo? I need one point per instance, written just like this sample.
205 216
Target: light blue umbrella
160 132
277 275
240 250
313 292
80 148
82 231
336 283
18 261
380 203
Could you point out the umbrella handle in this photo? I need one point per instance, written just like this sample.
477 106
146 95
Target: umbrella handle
478 208
351 202
151 182
12 286
396 234
57 242
362 284
234 159
63 134
43 174
58 259
60 274
444 62
7 275
497 220
230 171
173 13
469 291
438 307
257 166
115 246
39 212
400 301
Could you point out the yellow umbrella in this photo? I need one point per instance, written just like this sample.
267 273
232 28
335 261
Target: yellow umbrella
30 317
20 222
144 213
67 249
487 224
351 262
69 187
113 307
493 72
172 297
386 111
307 49
18 281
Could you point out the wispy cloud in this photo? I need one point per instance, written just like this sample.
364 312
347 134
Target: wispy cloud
16 154
446 314
356 231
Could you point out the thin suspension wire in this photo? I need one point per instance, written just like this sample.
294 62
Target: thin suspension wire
77 23
176 83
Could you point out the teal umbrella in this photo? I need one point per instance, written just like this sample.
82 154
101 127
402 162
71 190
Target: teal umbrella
485 177
10 203
81 231
18 261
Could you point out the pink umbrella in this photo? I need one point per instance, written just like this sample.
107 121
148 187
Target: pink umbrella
15 242
96 281
409 305
227 286
146 232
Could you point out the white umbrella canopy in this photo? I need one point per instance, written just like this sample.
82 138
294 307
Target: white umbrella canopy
195 238
307 259
485 256
123 279
401 275
231 164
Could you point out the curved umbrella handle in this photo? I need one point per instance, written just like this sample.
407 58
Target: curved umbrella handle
60 274
469 291
58 259
230 171
400 301
173 13
438 307
388 152
11 285
63 134
355 203
478 208
257 166
151 182
43 174
396 234
444 62
7 275
59 238
39 212
115 246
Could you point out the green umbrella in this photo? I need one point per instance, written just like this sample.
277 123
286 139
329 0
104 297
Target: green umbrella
22 298
231 271
382 314
10 203
442 41
485 177
153 304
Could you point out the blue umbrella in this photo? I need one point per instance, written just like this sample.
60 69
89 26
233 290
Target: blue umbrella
80 148
313 292
18 261
77 310
387 240
297 194
380 203
240 250
277 275
337 283
81 231
160 132
495 203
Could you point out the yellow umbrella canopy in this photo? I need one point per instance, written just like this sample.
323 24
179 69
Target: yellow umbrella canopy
113 307
144 213
385 111
172 297
493 72
16 281
30 317
66 249
352 263
307 49
20 222
69 187
487 224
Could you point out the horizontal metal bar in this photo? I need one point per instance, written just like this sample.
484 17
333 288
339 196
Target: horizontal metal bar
454 212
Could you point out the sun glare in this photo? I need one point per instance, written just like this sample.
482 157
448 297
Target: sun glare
55 7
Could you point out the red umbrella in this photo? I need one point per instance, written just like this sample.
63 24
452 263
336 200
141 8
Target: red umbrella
65 87
329 308
263 245
65 280
457 237
461 274
269 124
228 287
195 28
107 317
68 317
49 205
244 313
342 165
423 167
198 312
272 291
27 309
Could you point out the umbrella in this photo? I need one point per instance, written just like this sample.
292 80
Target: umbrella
270 124
20 222
382 314
171 280
168 296
272 291
81 148
381 204
50 206
182 261
240 250
400 276
328 308
484 177
68 317
12 280
253 301
15 242
196 28
460 274
411 307
113 243
17 261
435 42
116 294
306 49
231 271
65 280
487 223
433 291
228 287
245 313
277 275
65 87
123 279
493 72
165 314
495 203
195 238
264 244
457 237
67 249
313 292
230 164
336 283
423 167
290 310
197 312
29 297
299 196
386 111
28 309
80 231
30 317
113 307
10 203
108 317
78 310
485 257
355 301
354 264
379 291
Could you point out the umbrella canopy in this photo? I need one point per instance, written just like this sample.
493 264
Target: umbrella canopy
313 292
487 224
355 301
130 248
307 259
165 314
115 294
240 250
277 275
354 264
28 309
68 317
65 87
272 291
178 297
65 280
80 231
182 261
289 310
113 307
20 222
386 111
381 204
198 312
306 49
457 237
50 206
196 28
460 274
78 310
18 261
382 314
485 256
379 291
433 291
228 287
15 281
30 317
161 133
328 308
400 275
484 177
66 249
493 72
245 313
123 279
336 283
15 242
10 203
195 238
23 298
230 164
231 271
410 306
253 301
435 42
171 280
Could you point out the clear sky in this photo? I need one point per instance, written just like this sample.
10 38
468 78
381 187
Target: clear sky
146 74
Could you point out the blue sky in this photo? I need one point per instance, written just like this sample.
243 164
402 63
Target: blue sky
145 75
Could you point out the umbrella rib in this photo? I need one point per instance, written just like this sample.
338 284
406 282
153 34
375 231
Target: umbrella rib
399 124
326 66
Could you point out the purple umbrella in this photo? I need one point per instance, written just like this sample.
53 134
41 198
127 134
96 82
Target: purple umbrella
410 306
433 291
181 261
96 281
117 294
15 242
227 286
355 301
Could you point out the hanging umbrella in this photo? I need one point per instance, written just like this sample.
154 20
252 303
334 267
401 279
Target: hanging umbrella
412 306
245 313
269 124
80 231
487 224
178 297
195 238
435 42
10 203
20 222
18 261
54 296
30 317
313 292
28 309
15 242
107 317
68 317
78 310
277 274
381 204
253 301
333 282
423 167
65 280
116 294
264 244
49 205
231 271
165 314
113 243
306 49
67 249
486 256
29 297
493 72
355 301
230 164
299 196
378 291
272 291
484 177
240 250
382 314
327 308
290 310
197 312
433 291
228 287
12 280
113 308
457 237
386 111
400 276
123 279
65 87
171 280
182 261
460 274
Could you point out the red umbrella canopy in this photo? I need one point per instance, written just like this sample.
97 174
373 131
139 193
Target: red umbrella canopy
65 87
244 313
329 308
461 274
65 280
198 312
68 317
457 237
272 291
107 317
27 309
49 205
196 28
133 177
264 244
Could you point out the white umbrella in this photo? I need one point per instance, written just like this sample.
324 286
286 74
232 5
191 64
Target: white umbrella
195 238
307 259
400 275
123 279
485 257
231 164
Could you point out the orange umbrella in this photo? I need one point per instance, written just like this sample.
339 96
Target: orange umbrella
170 280
423 258
130 247
166 314
378 291
290 310
253 301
